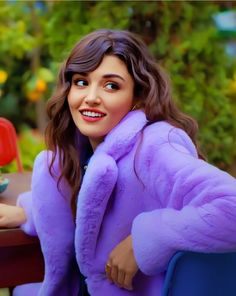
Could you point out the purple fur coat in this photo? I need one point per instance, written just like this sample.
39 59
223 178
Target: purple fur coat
145 182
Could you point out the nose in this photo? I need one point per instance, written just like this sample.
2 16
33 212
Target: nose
92 96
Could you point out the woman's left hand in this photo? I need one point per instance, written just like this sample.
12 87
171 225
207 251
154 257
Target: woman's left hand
121 266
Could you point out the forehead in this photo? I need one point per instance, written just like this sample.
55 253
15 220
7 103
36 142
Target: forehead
108 64
112 64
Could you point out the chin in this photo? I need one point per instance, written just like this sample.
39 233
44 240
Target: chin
93 135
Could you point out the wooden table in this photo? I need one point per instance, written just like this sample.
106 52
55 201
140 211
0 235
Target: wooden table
21 259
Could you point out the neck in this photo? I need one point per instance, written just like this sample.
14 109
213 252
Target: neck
95 142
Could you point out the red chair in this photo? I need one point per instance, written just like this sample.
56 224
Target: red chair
9 150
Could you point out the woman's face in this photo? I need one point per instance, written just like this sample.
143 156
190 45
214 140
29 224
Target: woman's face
100 99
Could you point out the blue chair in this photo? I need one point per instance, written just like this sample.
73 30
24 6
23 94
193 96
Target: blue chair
198 274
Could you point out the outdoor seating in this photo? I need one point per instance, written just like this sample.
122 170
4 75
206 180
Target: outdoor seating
21 258
198 274
9 149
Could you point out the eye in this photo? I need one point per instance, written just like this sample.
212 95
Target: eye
80 82
112 86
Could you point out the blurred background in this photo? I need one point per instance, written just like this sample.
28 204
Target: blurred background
194 41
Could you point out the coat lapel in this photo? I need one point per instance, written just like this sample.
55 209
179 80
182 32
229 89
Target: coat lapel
98 184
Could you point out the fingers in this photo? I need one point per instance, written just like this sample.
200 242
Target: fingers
121 265
108 271
114 274
119 277
128 281
111 272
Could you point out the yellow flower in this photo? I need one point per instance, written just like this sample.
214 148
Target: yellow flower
41 86
33 96
3 76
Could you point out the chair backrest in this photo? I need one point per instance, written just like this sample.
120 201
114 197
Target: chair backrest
9 150
198 274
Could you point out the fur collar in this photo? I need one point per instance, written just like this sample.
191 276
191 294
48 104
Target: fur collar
98 184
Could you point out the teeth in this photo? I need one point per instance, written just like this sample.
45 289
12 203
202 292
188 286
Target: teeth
91 114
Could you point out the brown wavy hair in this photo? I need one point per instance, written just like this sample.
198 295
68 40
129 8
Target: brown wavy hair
152 92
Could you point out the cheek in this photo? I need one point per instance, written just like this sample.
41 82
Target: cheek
70 99
73 99
122 104
125 106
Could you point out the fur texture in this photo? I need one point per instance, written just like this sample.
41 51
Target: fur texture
148 182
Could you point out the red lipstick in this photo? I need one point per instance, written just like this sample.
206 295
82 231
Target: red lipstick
91 114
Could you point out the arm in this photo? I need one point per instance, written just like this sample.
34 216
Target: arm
12 216
198 213
23 213
45 194
24 201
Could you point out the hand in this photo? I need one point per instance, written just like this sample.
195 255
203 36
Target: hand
11 216
121 266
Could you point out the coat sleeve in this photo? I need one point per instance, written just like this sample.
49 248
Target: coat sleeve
198 211
25 201
40 177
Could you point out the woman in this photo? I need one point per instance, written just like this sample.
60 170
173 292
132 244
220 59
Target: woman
122 186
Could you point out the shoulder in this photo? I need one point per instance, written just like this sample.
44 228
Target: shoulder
162 133
43 161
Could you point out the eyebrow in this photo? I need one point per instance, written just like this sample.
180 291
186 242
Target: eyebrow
109 75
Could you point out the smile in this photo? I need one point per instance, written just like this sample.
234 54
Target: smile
92 114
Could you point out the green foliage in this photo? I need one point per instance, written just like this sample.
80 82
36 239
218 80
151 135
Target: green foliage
15 38
4 292
36 36
187 45
84 17
31 143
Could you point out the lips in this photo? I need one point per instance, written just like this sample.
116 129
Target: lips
92 115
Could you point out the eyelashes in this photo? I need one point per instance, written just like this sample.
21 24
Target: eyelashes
112 86
81 83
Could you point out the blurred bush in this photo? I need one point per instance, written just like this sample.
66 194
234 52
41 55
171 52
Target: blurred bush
37 35
4 292
187 44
